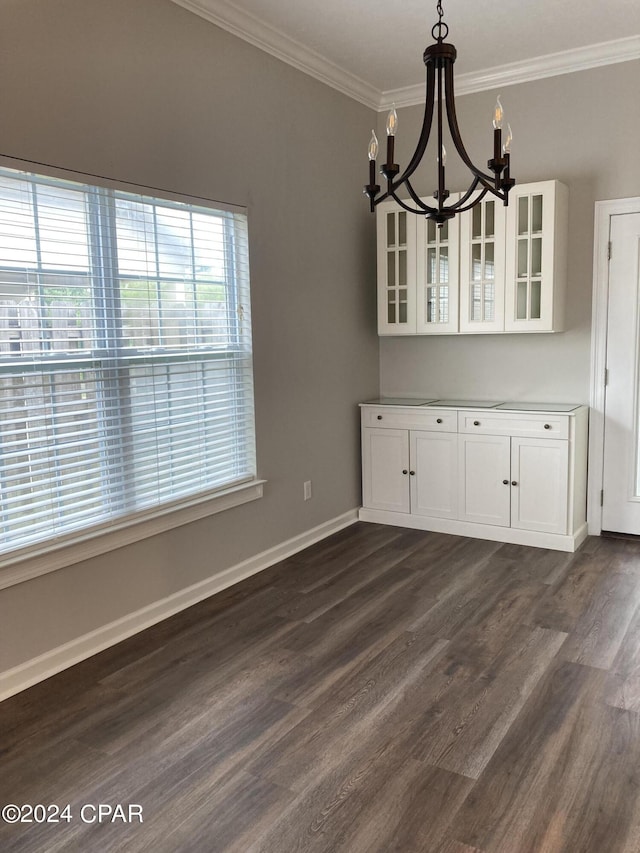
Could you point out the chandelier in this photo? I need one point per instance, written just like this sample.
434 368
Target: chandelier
439 58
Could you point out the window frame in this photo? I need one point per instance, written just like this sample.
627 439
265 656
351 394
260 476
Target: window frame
34 559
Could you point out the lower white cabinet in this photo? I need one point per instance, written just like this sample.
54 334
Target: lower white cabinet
410 471
515 482
434 481
385 469
505 475
484 465
540 484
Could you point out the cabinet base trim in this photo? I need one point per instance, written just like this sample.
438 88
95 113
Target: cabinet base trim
553 541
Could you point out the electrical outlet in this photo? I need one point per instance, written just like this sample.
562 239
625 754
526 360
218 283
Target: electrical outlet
307 490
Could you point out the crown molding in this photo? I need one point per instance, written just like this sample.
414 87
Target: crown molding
525 71
249 28
261 35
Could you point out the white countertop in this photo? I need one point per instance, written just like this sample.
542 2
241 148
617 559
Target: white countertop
475 404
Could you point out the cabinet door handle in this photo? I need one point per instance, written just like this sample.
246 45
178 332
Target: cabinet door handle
413 473
547 426
404 471
505 482
476 423
379 417
514 483
438 420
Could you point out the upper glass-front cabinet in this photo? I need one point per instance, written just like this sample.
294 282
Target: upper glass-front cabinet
396 232
536 258
437 276
491 269
482 259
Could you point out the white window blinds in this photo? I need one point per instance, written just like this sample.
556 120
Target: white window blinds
125 355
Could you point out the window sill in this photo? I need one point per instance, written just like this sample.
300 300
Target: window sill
31 562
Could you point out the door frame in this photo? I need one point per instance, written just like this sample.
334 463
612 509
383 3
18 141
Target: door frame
604 210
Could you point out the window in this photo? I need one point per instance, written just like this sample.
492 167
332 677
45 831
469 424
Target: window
125 355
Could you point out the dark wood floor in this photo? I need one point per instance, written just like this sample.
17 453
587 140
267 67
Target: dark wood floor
386 690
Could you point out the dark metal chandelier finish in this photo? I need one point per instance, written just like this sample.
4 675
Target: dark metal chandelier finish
439 58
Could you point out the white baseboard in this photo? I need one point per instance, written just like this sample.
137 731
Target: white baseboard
554 541
44 666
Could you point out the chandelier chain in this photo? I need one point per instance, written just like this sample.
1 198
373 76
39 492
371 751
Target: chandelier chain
440 30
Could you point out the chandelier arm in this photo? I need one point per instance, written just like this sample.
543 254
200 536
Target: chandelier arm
485 179
392 194
424 133
464 198
441 179
423 207
414 195
474 202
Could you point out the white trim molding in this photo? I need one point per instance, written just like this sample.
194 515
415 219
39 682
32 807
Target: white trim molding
24 564
525 71
604 210
246 26
495 533
44 666
249 28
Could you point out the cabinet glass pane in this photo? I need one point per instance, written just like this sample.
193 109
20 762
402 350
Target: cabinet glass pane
444 264
523 214
431 304
489 269
536 256
523 257
489 219
536 213
431 231
444 304
402 269
391 269
476 302
391 307
431 266
444 231
489 301
521 302
391 229
402 229
536 298
476 262
476 221
402 307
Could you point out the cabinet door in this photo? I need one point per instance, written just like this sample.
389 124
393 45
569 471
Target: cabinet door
540 496
484 465
385 469
396 242
434 485
437 277
482 265
535 266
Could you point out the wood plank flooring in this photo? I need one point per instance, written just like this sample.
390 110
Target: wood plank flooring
385 691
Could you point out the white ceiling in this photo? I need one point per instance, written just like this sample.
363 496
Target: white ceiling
372 49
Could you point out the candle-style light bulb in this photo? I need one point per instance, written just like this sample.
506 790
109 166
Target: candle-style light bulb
373 146
506 148
498 114
392 121
444 156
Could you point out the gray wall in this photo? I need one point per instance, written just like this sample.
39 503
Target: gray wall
146 92
581 129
